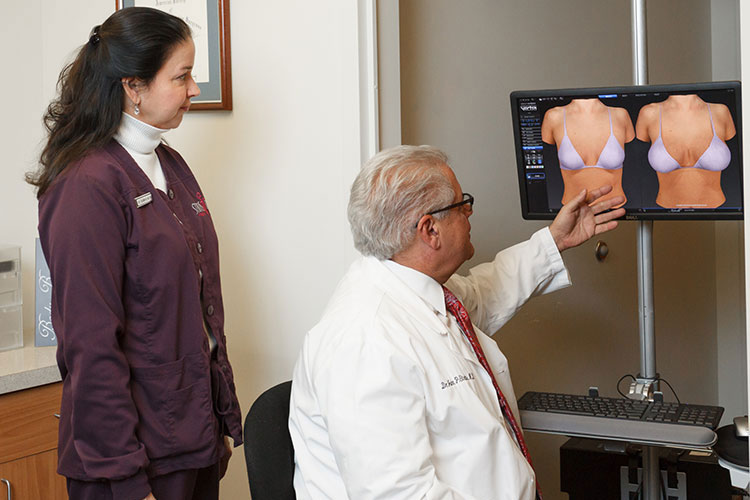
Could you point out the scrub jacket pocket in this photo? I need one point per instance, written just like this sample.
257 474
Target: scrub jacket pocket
175 413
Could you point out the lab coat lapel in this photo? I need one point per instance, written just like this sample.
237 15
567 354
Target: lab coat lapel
417 308
403 295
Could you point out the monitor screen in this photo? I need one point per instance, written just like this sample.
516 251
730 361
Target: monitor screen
672 151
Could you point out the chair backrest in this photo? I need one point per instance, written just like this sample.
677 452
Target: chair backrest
268 447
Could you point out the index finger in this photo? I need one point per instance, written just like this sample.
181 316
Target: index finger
607 204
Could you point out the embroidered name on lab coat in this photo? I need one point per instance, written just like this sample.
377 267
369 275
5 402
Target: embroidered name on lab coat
456 380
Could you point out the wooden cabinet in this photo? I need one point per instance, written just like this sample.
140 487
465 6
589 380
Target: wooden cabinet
28 444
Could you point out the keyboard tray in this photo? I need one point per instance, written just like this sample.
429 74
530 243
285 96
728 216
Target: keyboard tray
635 431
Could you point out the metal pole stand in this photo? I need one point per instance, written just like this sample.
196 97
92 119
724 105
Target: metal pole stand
646 383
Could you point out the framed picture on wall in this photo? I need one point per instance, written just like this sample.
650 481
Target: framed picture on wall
209 22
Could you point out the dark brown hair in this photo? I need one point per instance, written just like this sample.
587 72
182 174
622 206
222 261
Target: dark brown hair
133 42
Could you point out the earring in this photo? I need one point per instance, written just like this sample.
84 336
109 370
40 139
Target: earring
136 109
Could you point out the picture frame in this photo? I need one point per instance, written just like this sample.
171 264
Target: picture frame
209 20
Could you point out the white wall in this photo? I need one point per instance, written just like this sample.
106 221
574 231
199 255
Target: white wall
275 171
35 43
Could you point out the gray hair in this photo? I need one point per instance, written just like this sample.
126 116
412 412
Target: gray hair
394 189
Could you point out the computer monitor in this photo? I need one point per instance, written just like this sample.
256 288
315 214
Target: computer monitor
673 151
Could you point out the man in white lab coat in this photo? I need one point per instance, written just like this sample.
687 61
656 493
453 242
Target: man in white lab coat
389 399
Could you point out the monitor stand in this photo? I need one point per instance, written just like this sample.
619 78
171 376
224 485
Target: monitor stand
646 380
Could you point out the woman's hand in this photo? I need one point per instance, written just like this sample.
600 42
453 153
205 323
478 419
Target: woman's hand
224 462
150 497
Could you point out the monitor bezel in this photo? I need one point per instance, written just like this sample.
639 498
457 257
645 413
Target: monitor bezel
696 214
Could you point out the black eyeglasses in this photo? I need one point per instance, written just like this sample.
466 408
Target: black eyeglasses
467 200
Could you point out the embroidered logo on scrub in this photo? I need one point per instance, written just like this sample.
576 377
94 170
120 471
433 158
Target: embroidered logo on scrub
200 205
456 380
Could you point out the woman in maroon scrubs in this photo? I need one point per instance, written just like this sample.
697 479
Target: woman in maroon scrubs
148 393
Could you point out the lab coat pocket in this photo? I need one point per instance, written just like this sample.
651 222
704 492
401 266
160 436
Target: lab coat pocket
174 410
495 357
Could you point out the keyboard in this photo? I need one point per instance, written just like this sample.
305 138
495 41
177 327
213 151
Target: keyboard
647 422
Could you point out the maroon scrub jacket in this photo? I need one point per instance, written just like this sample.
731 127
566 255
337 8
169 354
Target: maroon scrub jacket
135 274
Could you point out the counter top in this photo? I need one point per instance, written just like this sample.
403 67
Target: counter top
27 367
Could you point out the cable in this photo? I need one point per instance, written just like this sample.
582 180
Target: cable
658 379
670 386
620 381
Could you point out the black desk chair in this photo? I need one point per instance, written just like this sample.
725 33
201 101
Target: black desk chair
268 447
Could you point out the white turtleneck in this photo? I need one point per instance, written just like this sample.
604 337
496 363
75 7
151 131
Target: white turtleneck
140 140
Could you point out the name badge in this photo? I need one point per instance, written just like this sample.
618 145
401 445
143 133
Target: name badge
143 200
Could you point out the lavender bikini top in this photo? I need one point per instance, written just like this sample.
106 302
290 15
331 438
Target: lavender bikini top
715 158
610 158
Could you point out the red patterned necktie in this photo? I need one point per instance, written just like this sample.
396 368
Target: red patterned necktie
458 310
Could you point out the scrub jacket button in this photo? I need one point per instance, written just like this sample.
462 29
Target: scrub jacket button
210 310
170 193
199 247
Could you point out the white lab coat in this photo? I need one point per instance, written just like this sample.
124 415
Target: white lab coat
388 399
